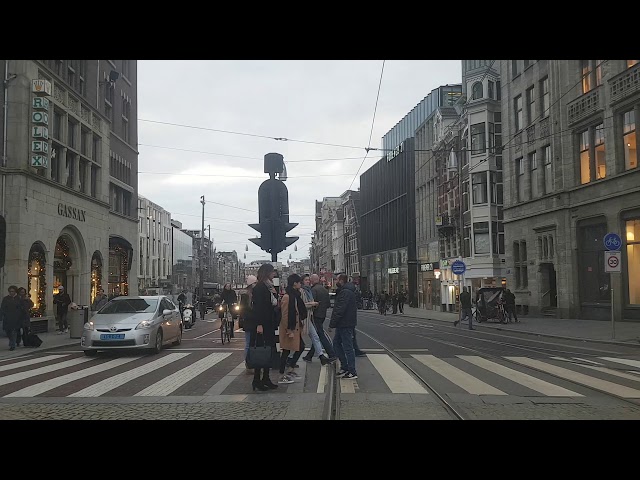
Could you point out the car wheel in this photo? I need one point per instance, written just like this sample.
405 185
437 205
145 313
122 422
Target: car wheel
179 339
90 353
158 345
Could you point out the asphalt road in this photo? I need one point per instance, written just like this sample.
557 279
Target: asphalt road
411 367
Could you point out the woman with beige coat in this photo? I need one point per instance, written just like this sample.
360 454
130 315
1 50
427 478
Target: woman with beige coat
292 313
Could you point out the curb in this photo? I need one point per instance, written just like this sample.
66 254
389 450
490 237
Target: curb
330 400
538 334
30 351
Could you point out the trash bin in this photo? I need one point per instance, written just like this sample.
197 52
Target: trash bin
77 319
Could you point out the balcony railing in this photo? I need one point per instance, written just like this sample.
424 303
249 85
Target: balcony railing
544 127
585 105
625 84
531 133
518 141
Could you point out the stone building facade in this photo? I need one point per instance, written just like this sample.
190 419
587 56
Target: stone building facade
571 176
69 182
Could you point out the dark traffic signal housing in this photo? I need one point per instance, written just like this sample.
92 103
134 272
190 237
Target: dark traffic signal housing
273 206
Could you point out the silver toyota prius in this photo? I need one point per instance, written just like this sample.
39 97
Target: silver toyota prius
133 323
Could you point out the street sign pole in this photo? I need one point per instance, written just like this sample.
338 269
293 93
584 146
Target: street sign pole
613 318
612 265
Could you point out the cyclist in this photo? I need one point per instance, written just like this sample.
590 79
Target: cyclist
182 298
229 297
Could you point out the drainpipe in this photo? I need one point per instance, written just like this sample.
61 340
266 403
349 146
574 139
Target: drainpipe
4 131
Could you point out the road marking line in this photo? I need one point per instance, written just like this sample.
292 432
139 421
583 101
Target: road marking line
588 361
225 381
609 387
31 361
615 373
624 361
322 381
16 377
47 385
174 381
109 384
633 371
523 379
397 378
462 379
408 349
203 335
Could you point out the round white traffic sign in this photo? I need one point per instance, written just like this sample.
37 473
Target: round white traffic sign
613 261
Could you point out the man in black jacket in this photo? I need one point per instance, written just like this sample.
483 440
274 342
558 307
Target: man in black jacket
62 300
344 319
320 295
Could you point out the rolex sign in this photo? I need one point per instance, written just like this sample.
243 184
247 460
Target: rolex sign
40 124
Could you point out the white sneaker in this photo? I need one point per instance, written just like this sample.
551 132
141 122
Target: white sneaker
285 380
66 330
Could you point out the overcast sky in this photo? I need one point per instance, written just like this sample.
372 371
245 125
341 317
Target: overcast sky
313 101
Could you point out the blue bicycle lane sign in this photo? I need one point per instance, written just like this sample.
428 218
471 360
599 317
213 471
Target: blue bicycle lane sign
612 241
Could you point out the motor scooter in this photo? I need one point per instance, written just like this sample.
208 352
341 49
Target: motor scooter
188 316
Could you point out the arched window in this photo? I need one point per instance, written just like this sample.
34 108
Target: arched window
96 274
477 91
37 286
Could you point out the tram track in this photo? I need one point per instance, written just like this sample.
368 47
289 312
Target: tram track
487 354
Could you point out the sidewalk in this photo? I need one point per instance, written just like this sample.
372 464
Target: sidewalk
627 333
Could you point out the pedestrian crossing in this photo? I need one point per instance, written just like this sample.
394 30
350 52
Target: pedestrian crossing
203 372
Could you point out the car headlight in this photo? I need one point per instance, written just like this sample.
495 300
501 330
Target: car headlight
144 324
221 308
89 326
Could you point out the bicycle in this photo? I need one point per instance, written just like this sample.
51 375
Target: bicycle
226 325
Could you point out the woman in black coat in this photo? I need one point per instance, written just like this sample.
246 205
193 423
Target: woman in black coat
261 323
27 305
11 311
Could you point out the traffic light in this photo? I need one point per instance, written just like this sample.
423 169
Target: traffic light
273 206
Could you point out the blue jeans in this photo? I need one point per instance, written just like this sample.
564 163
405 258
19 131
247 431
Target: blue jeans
315 339
343 344
324 339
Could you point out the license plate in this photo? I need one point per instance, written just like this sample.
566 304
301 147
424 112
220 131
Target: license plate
112 336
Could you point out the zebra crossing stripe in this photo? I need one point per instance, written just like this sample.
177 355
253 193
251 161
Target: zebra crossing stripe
523 379
31 361
174 381
610 387
16 377
397 378
615 373
462 379
47 385
624 361
108 384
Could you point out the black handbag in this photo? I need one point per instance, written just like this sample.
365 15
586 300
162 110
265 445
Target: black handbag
260 357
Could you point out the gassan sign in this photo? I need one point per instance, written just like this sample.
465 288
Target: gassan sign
72 212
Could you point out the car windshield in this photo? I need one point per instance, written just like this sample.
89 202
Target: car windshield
130 305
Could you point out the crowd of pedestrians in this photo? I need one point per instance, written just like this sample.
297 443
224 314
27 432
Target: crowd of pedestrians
301 311
14 314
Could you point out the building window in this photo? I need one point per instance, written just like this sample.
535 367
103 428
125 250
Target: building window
544 84
629 139
497 238
631 63
517 102
591 74
633 259
601 161
109 94
548 173
533 163
126 110
478 144
477 91
94 181
95 151
71 74
515 71
57 125
527 63
496 188
531 113
55 170
71 134
479 181
498 90
70 169
520 260
491 91
481 238
585 160
126 65
82 175
520 181
594 282
82 77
